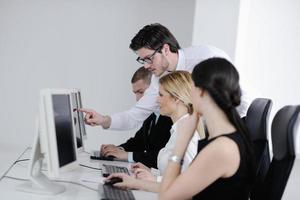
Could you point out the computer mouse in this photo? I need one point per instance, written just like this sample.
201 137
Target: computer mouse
110 157
113 181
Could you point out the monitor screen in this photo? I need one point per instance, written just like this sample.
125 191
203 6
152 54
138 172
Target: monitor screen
81 117
74 97
64 129
79 124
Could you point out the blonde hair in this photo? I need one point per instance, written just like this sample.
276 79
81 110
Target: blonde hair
179 85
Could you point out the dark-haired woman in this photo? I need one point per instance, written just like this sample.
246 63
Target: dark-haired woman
224 166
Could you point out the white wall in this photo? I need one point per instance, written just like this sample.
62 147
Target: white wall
75 44
263 39
84 44
216 23
268 49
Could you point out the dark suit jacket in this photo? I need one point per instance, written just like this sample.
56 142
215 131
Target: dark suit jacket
146 143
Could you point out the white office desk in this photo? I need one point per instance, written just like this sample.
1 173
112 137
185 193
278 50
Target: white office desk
82 175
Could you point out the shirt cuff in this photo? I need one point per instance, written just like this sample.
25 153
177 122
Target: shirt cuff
158 179
122 148
130 157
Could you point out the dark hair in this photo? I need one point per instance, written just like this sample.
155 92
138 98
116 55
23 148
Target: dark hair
221 80
154 36
142 74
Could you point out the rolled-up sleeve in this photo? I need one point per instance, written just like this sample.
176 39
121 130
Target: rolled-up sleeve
134 117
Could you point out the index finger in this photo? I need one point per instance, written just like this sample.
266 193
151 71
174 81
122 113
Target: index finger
136 171
85 110
135 165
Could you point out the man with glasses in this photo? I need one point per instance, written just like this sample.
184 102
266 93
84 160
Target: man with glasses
160 53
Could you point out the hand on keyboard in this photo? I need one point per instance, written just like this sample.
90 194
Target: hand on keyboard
112 193
112 150
128 182
112 181
139 165
144 175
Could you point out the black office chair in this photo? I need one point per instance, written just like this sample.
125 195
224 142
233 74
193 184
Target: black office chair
257 118
257 121
284 125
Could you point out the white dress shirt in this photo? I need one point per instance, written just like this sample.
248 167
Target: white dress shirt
164 153
188 58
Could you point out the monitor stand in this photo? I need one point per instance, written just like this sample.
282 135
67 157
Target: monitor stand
39 183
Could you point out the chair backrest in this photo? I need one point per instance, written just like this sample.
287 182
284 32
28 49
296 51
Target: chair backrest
257 118
257 121
283 129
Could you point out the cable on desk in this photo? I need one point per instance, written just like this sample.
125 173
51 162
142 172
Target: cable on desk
75 183
22 160
15 162
86 152
90 167
61 181
43 169
14 178
95 168
22 179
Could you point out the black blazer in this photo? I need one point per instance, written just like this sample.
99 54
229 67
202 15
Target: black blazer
146 143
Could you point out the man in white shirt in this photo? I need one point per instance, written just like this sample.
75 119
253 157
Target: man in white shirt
159 52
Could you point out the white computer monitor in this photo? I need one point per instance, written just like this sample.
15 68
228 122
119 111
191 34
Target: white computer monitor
80 130
54 142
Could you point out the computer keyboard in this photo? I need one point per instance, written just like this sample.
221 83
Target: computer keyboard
115 169
96 155
113 193
109 158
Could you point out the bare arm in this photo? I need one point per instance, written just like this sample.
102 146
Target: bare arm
218 159
130 182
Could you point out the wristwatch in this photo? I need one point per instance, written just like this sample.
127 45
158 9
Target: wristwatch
176 159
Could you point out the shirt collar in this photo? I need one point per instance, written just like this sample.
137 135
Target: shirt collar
181 60
173 128
156 116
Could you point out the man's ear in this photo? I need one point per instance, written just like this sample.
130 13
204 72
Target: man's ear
165 49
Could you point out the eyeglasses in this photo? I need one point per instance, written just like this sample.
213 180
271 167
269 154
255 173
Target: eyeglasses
148 59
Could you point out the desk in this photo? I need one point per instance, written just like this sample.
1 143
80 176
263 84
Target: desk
73 192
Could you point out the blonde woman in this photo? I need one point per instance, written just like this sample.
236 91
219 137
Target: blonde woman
174 101
224 167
